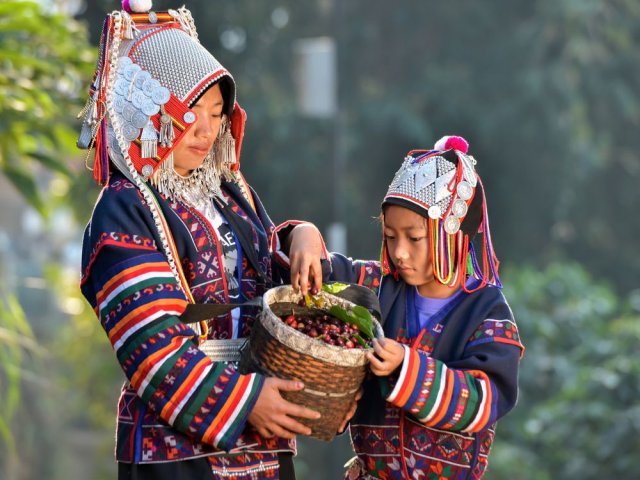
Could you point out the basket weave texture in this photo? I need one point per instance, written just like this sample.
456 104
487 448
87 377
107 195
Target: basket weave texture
332 375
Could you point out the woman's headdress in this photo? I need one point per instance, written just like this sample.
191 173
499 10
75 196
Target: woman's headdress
442 185
150 71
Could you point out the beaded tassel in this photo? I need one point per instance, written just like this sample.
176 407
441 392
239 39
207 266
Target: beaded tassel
225 148
166 130
149 140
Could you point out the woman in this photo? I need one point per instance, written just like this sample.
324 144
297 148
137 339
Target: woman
176 224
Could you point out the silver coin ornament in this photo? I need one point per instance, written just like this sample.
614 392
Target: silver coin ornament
130 132
118 103
464 190
147 170
142 77
434 212
128 111
160 95
451 225
121 86
138 98
459 208
149 108
150 86
124 62
139 119
130 70
189 117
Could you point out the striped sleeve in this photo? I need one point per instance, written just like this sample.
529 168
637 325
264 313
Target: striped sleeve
138 301
468 394
441 397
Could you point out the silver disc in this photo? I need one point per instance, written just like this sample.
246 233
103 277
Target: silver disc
149 86
142 77
139 119
149 108
434 211
138 98
160 95
130 132
131 70
189 117
464 190
459 208
451 225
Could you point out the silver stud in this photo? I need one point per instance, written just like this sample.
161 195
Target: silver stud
434 211
465 190
147 170
189 117
451 225
459 208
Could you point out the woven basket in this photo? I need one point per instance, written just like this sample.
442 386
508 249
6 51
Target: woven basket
332 375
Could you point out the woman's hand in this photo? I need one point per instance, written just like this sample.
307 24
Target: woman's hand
272 414
305 252
389 355
352 410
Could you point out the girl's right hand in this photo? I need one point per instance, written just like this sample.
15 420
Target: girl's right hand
386 357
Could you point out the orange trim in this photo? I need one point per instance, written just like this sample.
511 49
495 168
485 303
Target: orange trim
480 424
141 312
445 400
185 387
223 415
152 360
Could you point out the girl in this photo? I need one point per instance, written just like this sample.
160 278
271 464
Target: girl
448 367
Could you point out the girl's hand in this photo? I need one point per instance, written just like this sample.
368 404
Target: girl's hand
305 252
388 356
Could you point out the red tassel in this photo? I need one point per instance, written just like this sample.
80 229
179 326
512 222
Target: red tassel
238 120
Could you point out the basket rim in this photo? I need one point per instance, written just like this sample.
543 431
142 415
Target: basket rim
304 344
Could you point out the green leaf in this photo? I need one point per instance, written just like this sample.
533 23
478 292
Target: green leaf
334 288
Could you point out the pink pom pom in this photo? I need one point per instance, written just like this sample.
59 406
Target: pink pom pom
452 141
126 7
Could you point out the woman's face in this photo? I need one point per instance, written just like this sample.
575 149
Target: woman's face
197 142
406 235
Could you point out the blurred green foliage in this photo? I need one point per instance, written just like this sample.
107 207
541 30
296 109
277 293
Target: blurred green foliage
578 414
45 62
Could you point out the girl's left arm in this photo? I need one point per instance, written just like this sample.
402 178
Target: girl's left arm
468 394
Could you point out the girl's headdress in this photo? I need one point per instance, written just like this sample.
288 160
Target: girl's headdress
150 71
442 185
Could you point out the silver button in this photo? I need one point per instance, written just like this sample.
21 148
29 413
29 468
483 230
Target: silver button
130 132
131 70
160 95
149 108
465 190
139 120
189 117
147 170
459 208
149 86
451 225
434 211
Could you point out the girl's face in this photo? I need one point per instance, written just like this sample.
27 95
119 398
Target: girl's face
197 142
406 236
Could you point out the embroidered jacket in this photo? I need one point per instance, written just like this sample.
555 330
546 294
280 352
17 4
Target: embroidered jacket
436 416
177 403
